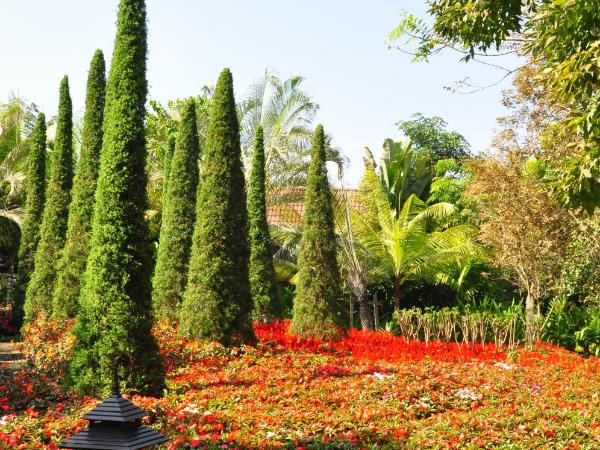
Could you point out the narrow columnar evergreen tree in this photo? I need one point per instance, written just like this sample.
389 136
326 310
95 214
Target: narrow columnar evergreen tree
318 289
178 217
34 207
74 256
217 303
262 272
167 166
38 297
114 323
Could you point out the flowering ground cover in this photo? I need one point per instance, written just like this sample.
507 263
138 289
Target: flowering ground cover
368 390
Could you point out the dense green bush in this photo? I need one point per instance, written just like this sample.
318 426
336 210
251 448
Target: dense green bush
65 302
318 290
53 230
35 189
262 273
114 324
178 217
217 303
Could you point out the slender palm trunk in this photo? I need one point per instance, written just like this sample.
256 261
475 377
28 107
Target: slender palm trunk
363 311
397 293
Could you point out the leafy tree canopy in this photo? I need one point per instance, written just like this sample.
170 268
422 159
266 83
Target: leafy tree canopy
430 137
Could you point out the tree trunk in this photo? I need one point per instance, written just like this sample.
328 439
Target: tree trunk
375 311
530 318
365 318
397 293
351 319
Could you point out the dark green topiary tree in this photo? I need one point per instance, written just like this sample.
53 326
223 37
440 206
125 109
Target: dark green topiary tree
74 256
178 217
217 303
38 297
318 290
262 273
34 207
114 324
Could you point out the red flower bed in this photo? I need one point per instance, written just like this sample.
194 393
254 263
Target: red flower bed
367 390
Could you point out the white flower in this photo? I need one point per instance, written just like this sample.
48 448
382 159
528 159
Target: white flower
192 409
505 366
467 394
381 376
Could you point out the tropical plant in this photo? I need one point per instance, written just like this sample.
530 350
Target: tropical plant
53 229
217 303
114 325
406 248
402 172
17 121
285 112
71 266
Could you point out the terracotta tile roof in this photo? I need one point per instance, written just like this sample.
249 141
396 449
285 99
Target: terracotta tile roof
289 210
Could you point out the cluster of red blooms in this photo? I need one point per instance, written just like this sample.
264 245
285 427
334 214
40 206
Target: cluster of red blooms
365 390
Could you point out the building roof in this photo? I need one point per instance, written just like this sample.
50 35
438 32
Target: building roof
289 209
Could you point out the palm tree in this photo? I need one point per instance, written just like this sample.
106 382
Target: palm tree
285 112
402 172
406 249
17 119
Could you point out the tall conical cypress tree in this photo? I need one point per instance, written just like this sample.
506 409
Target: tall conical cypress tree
34 207
178 218
74 256
262 272
114 324
38 297
318 289
217 303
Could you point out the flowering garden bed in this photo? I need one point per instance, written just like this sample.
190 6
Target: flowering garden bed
368 390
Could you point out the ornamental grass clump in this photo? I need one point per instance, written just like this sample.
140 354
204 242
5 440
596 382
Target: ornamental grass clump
217 303
114 324
178 217
65 302
53 230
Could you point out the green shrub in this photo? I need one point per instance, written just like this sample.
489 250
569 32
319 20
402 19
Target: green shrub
71 267
53 230
262 273
318 290
217 303
35 188
178 217
114 324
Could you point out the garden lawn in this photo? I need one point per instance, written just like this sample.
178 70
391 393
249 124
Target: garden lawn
369 390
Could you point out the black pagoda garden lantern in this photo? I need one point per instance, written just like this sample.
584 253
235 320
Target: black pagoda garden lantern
115 425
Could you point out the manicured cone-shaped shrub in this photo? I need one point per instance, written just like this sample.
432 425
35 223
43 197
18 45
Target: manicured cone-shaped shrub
178 219
34 207
38 297
318 289
74 256
262 272
114 324
217 303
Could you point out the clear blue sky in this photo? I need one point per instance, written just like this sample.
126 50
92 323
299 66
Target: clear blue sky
338 45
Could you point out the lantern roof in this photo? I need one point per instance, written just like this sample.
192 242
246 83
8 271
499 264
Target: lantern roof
114 425
107 436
